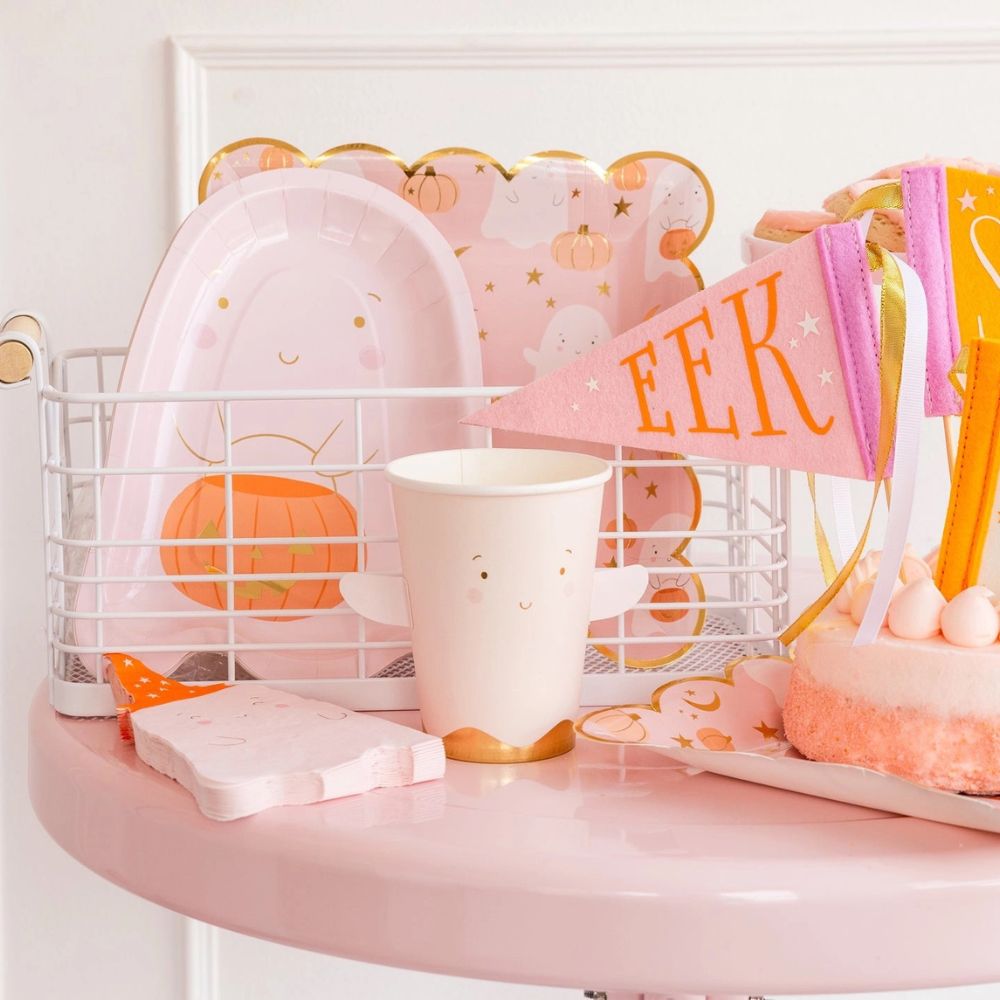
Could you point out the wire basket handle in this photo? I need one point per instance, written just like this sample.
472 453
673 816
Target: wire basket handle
21 348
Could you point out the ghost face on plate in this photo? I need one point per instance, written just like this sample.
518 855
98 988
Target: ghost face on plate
677 215
302 328
530 208
571 333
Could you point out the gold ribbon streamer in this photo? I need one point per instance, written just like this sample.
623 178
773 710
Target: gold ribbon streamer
826 560
892 335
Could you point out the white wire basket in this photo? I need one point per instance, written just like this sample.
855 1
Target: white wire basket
739 549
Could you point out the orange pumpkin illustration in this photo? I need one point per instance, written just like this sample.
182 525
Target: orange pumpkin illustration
629 176
276 158
430 191
263 507
712 739
627 525
582 250
624 726
669 596
675 243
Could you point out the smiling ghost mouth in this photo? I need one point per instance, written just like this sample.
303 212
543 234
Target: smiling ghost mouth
287 361
523 606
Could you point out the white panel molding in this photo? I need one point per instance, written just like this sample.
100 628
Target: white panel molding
195 56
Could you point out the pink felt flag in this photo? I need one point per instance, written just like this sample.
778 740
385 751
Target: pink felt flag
929 254
775 365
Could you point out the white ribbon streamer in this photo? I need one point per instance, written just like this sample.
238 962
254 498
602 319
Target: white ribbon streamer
845 529
909 420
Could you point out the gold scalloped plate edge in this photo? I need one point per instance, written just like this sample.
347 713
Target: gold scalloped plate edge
653 705
508 173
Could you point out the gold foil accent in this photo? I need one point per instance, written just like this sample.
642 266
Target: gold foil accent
474 745
892 324
653 705
604 173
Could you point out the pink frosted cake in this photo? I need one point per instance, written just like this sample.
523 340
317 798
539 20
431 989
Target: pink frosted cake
921 702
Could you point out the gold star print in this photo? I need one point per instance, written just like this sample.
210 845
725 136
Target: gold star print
612 563
604 289
766 731
550 303
622 206
690 694
535 276
683 742
480 167
483 334
651 490
575 193
216 176
630 470
488 287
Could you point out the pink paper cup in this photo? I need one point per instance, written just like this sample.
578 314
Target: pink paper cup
498 547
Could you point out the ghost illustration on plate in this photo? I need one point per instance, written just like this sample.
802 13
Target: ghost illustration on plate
530 208
572 332
678 213
281 288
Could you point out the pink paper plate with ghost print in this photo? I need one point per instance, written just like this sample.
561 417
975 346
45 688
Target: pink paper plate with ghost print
288 282
731 724
559 254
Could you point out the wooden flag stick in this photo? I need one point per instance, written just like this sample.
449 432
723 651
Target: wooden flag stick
948 422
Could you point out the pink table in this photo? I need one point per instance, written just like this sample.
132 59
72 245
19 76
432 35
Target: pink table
608 868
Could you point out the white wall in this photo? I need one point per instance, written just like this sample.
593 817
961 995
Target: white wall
777 106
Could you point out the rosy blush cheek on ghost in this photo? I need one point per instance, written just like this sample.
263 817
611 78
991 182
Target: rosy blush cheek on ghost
474 595
568 588
371 358
205 338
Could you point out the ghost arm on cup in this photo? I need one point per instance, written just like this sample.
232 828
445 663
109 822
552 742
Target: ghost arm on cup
617 590
377 597
385 599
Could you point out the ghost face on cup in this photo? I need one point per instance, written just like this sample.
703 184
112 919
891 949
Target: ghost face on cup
678 213
571 333
530 208
518 588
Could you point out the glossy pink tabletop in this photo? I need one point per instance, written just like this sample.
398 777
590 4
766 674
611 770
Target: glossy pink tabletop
608 868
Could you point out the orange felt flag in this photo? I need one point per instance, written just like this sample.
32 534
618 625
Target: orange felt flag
970 546
135 686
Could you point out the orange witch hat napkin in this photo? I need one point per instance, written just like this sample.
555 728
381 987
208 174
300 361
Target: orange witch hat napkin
135 686
776 365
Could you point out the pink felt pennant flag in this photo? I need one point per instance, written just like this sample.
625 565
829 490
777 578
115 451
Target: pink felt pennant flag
929 254
775 365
